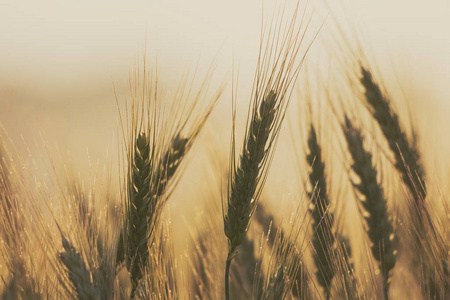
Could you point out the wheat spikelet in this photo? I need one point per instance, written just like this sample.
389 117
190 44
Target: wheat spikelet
155 145
79 275
22 285
156 185
379 225
286 272
169 164
323 220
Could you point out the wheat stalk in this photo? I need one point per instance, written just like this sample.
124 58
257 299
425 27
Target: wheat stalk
379 224
244 271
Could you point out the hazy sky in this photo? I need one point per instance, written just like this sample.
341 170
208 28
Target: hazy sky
50 40
67 53
58 60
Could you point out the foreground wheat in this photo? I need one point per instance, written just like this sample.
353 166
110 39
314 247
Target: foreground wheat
277 70
155 146
242 205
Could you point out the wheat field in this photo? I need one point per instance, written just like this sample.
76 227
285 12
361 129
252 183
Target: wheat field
314 176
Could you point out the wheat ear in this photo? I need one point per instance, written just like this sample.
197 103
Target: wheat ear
137 209
298 271
379 225
322 219
79 275
242 204
277 285
166 170
278 67
407 162
407 157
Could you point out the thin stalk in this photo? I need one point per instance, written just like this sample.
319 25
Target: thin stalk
227 279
